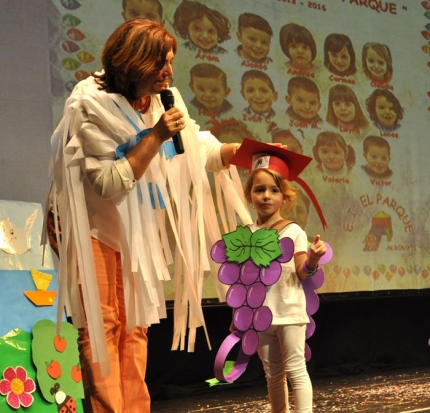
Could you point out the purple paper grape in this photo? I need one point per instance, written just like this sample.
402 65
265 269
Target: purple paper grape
236 295
256 295
242 318
250 342
269 275
229 273
287 247
249 272
218 252
262 318
310 328
314 282
328 254
308 353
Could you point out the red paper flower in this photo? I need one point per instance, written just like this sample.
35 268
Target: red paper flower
16 386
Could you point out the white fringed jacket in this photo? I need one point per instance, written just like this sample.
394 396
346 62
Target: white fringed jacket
94 191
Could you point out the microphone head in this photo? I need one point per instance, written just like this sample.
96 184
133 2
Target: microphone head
167 98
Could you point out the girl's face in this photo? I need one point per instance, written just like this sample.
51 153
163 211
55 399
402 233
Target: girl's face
266 196
385 112
377 159
157 81
332 157
255 44
146 9
340 60
376 64
344 111
305 104
209 91
203 33
259 95
301 55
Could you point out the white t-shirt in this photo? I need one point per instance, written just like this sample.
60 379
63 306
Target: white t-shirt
286 298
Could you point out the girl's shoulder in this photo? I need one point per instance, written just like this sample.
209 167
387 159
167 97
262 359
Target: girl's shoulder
286 225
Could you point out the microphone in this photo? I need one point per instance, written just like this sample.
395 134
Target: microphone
168 101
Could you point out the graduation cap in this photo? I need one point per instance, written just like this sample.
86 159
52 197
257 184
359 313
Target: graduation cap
253 154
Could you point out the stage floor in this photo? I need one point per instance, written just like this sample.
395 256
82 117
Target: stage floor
394 392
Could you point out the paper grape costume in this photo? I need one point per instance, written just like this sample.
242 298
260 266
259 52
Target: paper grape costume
251 261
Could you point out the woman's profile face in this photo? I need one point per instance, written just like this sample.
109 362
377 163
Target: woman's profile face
157 81
340 60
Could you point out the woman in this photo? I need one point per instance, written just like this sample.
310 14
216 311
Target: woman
113 162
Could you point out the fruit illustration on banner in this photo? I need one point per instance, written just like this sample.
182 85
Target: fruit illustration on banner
56 357
76 374
53 369
60 343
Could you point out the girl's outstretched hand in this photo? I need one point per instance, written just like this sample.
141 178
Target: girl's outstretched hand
317 248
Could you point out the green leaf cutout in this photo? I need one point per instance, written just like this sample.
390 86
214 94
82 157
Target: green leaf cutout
265 246
262 246
238 245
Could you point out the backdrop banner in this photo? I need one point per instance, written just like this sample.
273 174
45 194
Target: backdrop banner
342 81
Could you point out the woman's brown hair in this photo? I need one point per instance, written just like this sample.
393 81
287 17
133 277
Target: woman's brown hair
135 50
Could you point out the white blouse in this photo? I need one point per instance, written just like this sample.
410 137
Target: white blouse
97 196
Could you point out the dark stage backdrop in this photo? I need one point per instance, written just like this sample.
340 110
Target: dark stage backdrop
377 204
353 336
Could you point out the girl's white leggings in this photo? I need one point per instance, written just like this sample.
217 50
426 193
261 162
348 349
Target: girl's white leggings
282 352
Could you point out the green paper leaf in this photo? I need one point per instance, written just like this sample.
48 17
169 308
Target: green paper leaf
262 246
228 367
238 245
265 246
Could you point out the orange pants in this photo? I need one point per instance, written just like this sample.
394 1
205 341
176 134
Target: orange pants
124 390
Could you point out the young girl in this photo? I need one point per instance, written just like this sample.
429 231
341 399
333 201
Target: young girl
344 111
377 62
384 110
333 155
203 27
299 46
282 347
339 55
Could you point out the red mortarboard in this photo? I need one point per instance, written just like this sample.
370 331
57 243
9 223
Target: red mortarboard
253 154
